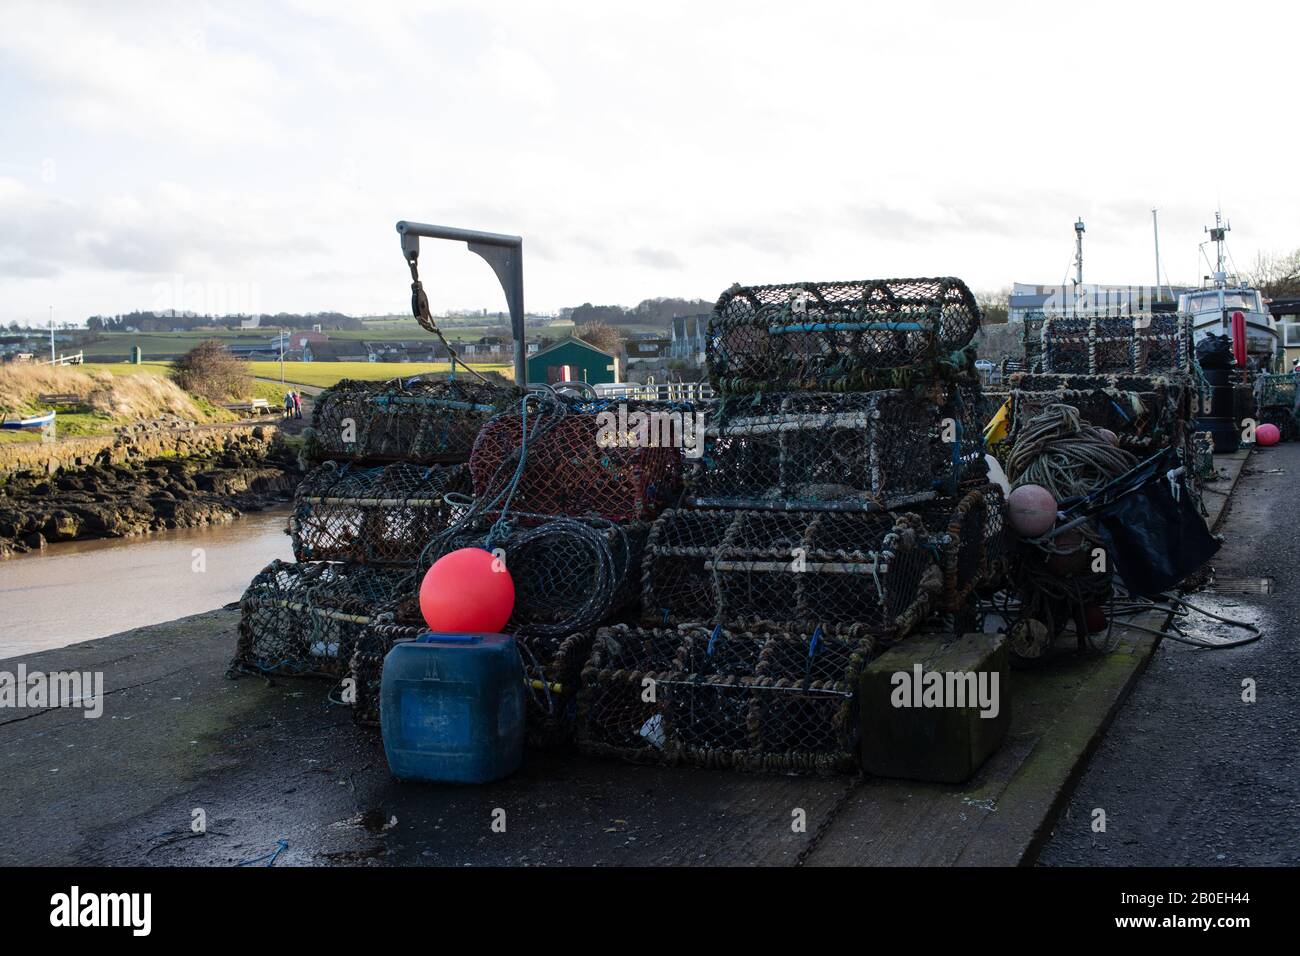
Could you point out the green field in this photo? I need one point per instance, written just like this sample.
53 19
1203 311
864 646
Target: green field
327 373
307 373
117 346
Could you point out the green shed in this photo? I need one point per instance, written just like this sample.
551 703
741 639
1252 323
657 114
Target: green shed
573 360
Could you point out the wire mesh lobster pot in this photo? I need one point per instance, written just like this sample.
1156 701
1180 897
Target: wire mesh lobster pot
553 670
765 699
1032 341
872 570
1146 344
1276 391
1145 412
569 574
856 451
384 515
552 674
835 336
959 452
304 619
413 420
970 538
582 464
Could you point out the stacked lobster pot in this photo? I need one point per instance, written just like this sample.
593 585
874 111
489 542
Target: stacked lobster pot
1132 375
564 490
390 474
838 500
1275 403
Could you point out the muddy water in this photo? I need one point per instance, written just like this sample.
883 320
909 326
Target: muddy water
87 589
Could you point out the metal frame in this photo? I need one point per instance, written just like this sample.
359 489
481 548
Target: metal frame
505 254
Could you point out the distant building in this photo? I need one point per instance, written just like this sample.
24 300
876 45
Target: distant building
573 360
299 339
689 333
1286 312
338 351
647 350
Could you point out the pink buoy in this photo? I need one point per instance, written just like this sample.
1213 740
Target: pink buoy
1109 435
467 592
1267 435
1031 510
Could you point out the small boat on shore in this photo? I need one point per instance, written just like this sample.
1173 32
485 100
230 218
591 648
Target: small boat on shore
32 423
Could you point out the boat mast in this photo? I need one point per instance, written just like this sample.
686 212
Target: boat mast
1155 229
1219 236
1078 263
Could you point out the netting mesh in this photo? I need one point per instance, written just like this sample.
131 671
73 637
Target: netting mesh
1031 340
871 570
1145 412
854 451
413 420
1276 390
1098 345
569 573
304 619
384 515
835 336
970 539
758 699
579 460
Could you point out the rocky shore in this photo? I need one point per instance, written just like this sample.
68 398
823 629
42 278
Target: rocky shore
195 477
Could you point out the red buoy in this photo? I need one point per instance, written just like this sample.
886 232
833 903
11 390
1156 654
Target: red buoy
468 591
1268 434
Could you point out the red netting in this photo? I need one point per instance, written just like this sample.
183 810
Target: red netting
577 465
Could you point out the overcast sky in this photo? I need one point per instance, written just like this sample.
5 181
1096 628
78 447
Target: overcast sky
236 155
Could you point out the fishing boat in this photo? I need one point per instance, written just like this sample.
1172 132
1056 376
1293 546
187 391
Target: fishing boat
1227 300
33 423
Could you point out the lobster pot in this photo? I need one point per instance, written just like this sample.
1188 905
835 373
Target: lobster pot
583 463
1203 454
1276 391
970 537
858 451
1147 344
569 573
763 699
366 665
553 670
384 515
411 420
959 451
835 336
552 673
871 570
1146 412
1032 341
304 619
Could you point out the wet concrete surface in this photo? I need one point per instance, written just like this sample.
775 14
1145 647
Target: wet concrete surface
1190 774
277 772
266 764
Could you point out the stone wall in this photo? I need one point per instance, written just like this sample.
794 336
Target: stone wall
137 442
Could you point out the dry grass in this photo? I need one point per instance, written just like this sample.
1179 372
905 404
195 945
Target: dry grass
123 398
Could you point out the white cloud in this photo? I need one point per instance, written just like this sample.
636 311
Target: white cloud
668 149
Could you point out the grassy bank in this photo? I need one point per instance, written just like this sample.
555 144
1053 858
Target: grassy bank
104 398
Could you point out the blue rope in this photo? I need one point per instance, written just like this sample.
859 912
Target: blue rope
270 858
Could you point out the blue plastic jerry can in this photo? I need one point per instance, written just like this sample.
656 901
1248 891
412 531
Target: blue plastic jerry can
451 708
